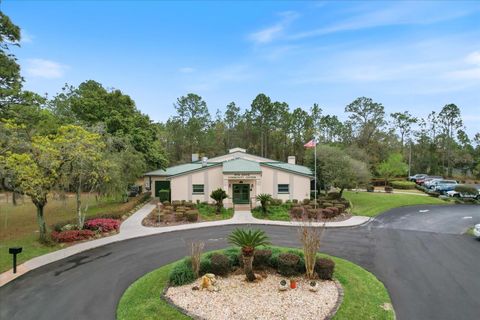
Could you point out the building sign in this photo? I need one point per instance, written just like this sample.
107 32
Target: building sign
242 176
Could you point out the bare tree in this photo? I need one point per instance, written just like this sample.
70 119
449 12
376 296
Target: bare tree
310 237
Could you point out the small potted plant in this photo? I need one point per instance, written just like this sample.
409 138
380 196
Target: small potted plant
283 285
313 286
293 283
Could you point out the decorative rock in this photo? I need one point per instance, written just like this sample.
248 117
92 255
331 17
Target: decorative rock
283 286
313 286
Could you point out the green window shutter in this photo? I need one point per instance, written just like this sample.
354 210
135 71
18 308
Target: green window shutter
283 188
198 189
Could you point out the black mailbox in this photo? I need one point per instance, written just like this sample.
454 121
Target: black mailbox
15 251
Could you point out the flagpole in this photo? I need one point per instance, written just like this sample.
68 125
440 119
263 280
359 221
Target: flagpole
315 142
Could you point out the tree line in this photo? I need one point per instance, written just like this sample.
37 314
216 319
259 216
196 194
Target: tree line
90 138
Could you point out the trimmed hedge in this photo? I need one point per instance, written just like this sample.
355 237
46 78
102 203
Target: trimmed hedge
288 264
261 258
220 264
403 184
324 268
182 273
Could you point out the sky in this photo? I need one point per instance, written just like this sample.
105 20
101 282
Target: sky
415 56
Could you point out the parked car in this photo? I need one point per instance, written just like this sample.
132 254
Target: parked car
430 181
133 191
422 181
417 176
476 231
456 194
444 185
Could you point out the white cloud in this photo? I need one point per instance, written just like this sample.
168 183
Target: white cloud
25 37
473 58
269 34
468 72
396 14
47 69
186 70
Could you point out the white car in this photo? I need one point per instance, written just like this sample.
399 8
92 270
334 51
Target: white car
476 231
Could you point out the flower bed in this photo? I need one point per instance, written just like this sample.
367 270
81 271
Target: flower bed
102 224
72 235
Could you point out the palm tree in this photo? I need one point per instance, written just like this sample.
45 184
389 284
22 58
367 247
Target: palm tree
218 195
264 198
247 240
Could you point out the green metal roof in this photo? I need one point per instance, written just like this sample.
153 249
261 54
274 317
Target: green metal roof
290 167
241 165
182 168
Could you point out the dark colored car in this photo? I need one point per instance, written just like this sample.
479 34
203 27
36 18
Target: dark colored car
134 191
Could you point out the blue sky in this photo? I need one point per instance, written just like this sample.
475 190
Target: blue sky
415 56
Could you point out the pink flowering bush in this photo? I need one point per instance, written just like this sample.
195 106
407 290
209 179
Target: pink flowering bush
102 224
72 235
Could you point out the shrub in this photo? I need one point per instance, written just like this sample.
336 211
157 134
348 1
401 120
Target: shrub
192 215
312 213
324 268
176 204
164 194
288 264
307 206
178 216
370 188
433 194
181 273
340 207
220 264
297 212
335 210
72 235
327 204
273 261
233 255
264 199
276 202
388 189
295 201
403 184
166 203
261 258
333 195
306 201
102 225
328 214
466 189
205 265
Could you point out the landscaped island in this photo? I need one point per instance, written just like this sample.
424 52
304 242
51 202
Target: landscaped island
254 279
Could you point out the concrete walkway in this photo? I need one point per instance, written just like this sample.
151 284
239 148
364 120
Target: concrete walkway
133 228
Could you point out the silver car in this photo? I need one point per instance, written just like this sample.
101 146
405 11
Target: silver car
476 231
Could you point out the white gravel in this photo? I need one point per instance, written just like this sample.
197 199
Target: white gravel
238 299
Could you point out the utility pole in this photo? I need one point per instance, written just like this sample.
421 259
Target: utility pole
410 159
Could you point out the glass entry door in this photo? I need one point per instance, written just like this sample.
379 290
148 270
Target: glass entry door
241 193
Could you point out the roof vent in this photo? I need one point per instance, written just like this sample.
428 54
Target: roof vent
237 150
204 161
194 157
291 159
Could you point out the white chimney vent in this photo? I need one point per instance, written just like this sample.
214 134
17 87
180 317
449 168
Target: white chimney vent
204 161
291 159
194 157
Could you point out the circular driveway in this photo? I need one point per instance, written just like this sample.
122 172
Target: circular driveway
430 269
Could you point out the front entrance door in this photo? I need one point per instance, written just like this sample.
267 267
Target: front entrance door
241 193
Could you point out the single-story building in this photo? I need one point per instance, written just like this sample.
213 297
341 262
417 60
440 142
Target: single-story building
243 176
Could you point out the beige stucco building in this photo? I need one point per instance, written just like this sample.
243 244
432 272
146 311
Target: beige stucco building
242 175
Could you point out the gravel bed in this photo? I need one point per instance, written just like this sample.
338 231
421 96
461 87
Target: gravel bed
238 299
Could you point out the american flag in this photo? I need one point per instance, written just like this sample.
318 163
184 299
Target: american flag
310 144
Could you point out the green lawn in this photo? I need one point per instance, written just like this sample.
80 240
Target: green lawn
18 224
207 213
372 204
279 213
364 295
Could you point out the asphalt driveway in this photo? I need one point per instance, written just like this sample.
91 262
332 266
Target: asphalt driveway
430 269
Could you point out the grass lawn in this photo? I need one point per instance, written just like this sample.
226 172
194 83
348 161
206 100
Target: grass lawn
18 224
207 213
279 213
364 295
372 204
